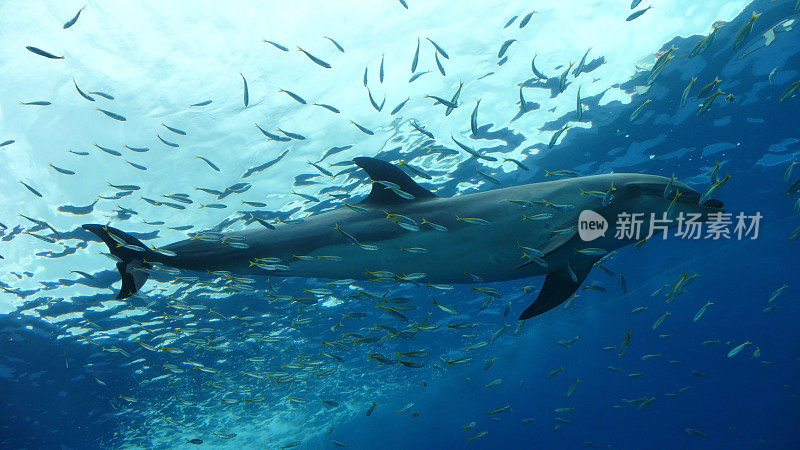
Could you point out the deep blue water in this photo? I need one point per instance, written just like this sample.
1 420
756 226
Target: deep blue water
59 389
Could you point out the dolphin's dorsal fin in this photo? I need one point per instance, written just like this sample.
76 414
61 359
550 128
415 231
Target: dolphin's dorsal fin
558 287
382 195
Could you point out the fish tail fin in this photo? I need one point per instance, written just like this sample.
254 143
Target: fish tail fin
130 260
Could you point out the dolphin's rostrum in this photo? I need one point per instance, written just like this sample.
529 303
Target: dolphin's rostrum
485 234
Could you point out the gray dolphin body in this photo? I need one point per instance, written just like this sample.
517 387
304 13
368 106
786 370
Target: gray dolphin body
387 231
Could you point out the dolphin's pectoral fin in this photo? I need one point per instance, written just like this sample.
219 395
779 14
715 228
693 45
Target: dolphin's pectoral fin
381 194
556 241
553 243
557 288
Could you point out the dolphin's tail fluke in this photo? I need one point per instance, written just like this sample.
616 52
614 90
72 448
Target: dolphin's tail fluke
130 254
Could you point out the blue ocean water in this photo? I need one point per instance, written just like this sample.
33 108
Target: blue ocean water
230 362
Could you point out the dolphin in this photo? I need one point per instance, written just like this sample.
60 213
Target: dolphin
403 228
